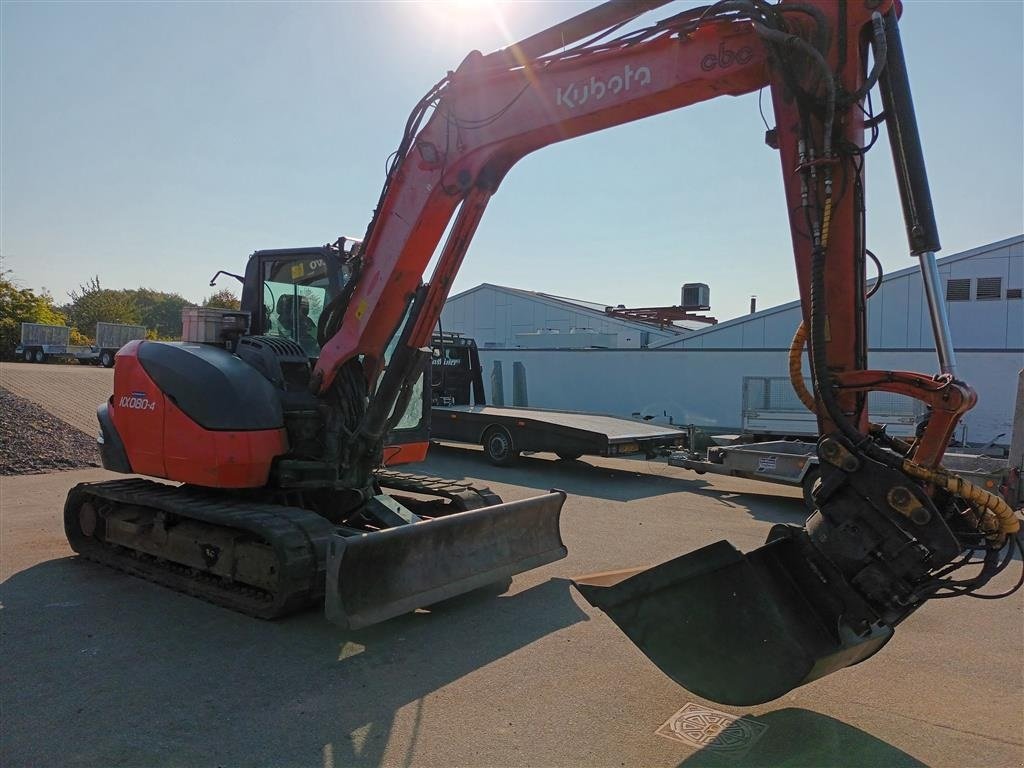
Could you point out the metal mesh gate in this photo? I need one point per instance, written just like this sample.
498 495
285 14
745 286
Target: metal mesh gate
775 394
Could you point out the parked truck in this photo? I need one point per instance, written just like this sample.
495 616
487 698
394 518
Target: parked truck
460 413
40 342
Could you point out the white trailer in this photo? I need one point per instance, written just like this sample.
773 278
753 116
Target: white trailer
40 342
110 337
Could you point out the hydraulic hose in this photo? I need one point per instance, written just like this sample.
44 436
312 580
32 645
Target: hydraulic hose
979 497
941 477
796 377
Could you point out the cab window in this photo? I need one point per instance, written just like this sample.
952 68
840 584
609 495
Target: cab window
295 291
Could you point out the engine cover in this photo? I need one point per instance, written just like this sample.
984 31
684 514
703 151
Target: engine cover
195 414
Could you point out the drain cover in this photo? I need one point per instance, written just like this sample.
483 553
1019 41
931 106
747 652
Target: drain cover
706 728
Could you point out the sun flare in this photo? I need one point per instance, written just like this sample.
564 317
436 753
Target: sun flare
465 17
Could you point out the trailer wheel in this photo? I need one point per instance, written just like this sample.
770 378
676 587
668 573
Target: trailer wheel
808 483
107 359
40 356
499 447
27 355
567 456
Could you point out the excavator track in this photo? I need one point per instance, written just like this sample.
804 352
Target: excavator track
291 543
205 544
462 495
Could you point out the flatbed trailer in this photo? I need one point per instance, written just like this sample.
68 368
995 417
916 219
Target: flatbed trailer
460 414
504 433
795 462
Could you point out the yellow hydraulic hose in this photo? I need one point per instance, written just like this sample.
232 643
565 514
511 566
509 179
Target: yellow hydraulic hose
979 497
796 350
1007 522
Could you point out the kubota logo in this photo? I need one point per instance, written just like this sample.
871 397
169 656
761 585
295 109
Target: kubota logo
726 58
137 401
595 89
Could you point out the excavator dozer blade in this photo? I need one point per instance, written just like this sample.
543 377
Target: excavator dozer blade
376 576
733 628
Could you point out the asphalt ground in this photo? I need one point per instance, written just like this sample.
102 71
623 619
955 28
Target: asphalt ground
101 669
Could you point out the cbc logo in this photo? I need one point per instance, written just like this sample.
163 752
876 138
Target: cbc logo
726 58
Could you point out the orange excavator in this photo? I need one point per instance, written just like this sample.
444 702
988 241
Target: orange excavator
277 442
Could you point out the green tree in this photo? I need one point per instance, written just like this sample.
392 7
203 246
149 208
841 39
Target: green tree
92 304
79 338
223 299
22 305
159 311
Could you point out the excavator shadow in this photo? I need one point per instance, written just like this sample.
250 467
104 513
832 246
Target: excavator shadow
166 679
581 478
797 738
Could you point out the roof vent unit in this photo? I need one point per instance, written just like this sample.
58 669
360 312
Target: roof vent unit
696 296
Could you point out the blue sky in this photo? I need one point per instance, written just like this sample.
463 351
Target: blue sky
154 143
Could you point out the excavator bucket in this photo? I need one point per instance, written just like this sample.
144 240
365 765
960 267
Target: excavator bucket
376 576
736 629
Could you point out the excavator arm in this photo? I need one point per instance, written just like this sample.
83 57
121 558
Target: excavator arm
890 522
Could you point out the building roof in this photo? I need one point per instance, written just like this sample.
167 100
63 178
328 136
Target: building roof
952 258
592 307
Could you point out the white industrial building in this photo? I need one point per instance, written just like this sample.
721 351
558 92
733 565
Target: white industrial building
698 374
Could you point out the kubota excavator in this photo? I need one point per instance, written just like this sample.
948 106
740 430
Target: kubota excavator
277 456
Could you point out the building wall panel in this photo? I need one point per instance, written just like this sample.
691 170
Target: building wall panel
706 387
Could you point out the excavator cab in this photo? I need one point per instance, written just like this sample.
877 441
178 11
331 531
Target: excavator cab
286 290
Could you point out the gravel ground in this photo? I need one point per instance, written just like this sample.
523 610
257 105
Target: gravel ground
33 440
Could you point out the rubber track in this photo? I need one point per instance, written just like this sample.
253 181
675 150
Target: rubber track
465 496
298 537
